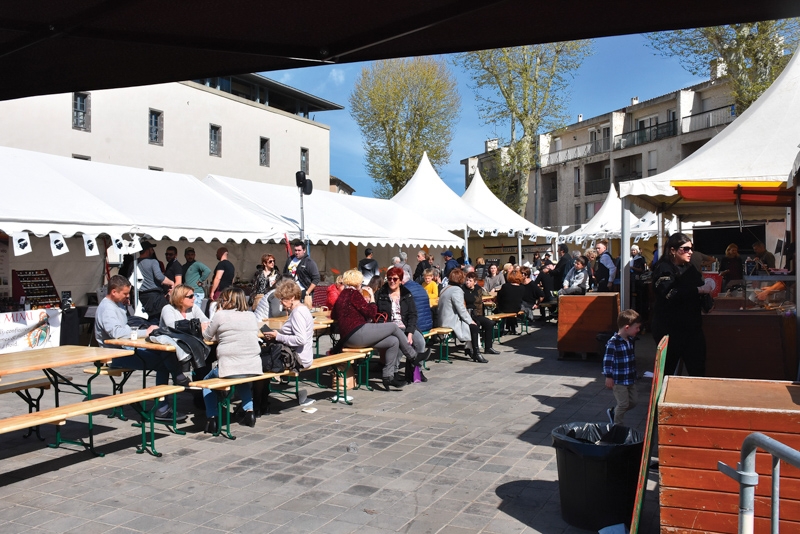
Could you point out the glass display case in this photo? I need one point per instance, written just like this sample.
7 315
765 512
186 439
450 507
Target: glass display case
769 291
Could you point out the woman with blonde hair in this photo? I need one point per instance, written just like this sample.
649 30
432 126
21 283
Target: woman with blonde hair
238 352
732 268
182 306
353 313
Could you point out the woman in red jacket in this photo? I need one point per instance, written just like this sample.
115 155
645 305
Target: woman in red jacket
353 313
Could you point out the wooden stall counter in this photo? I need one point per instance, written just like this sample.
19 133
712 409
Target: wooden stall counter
704 420
750 344
582 317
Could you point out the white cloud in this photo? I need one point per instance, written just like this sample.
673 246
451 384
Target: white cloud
286 78
336 76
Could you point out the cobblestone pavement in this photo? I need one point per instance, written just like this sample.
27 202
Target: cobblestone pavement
468 451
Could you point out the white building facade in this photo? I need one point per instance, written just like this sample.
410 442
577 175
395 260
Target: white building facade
245 127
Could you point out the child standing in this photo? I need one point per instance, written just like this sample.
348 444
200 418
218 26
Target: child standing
430 285
619 365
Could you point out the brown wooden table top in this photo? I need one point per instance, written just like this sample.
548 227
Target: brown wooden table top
39 359
139 344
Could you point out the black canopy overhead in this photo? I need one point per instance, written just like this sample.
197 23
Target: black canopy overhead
54 46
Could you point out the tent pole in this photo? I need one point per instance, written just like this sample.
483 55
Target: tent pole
660 236
519 248
794 240
466 242
625 256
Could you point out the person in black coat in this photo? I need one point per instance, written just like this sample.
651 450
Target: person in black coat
678 310
509 299
473 299
392 290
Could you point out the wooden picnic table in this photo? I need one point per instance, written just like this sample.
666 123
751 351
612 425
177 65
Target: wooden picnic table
52 357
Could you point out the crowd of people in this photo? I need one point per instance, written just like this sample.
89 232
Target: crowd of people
392 309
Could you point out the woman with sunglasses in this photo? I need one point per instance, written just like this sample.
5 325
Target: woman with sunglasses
182 306
397 302
678 286
352 313
266 279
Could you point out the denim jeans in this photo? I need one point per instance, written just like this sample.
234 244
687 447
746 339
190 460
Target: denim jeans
210 397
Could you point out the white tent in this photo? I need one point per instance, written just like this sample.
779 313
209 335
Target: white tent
481 198
607 222
426 194
40 199
756 151
76 196
332 218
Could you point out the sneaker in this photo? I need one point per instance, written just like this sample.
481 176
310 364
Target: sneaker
165 415
610 413
308 402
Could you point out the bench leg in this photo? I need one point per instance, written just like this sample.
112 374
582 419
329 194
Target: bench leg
33 406
444 348
224 405
85 389
364 365
148 421
118 412
341 383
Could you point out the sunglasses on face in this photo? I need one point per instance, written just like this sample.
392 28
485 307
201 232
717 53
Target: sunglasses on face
393 279
189 296
685 249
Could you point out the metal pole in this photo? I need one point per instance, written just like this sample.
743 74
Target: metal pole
302 218
625 256
519 248
466 242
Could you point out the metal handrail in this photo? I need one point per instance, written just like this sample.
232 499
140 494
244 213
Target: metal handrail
747 477
646 135
598 186
598 146
708 119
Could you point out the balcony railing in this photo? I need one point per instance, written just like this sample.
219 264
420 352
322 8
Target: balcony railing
597 146
646 135
628 177
595 187
552 195
708 119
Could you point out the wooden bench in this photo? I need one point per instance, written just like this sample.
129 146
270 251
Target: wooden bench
366 353
228 385
22 389
498 319
444 342
60 414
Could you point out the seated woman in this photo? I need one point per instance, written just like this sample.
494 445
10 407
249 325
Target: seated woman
298 331
577 280
453 314
269 305
182 306
333 292
238 352
493 280
352 313
398 304
732 268
473 299
509 300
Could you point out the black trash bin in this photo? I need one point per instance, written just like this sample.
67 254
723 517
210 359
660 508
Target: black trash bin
598 470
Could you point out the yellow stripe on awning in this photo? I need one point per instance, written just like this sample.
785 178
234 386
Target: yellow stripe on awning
770 184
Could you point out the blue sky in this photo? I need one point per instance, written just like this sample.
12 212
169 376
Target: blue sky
620 68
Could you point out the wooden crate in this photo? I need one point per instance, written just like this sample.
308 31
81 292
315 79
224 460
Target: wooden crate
582 317
704 420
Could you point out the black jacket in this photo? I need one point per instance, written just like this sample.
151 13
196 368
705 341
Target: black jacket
307 271
678 306
408 308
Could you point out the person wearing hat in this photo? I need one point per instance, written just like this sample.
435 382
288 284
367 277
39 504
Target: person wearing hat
195 273
151 293
368 266
449 262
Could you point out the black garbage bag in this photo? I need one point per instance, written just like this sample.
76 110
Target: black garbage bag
598 470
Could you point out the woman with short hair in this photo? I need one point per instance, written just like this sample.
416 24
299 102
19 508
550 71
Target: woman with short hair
182 306
509 300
